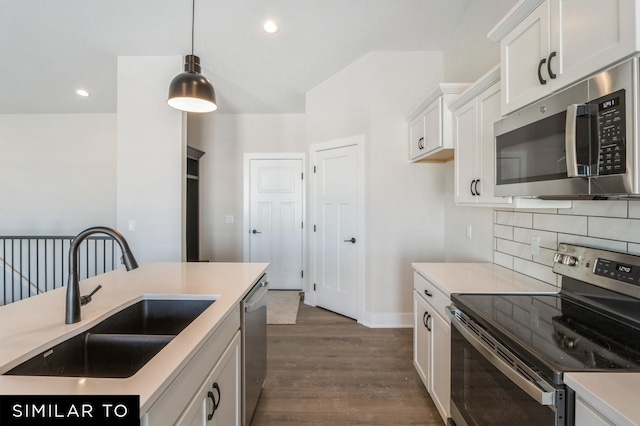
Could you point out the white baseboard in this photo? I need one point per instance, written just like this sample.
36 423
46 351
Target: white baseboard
392 320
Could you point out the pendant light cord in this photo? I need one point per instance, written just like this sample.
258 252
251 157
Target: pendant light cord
193 19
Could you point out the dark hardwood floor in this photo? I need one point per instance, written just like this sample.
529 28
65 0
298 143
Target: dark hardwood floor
329 370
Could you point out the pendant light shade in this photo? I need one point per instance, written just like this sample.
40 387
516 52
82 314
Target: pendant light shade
191 91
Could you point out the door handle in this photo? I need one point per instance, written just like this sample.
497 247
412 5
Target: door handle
542 80
256 232
352 241
211 396
551 73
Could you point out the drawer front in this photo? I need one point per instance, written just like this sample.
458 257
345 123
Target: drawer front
434 297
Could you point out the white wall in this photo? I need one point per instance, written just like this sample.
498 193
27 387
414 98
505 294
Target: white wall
225 139
150 159
469 54
404 202
58 173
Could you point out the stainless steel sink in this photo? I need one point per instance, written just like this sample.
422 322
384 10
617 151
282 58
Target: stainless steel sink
118 346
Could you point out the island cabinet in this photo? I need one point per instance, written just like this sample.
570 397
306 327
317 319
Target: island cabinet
546 45
432 342
430 125
207 390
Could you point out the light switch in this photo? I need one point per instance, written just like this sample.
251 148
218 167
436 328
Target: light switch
228 219
469 232
535 245
132 225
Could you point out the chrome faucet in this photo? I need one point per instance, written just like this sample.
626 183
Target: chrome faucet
73 288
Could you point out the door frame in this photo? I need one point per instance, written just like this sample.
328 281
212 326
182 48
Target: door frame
359 142
246 225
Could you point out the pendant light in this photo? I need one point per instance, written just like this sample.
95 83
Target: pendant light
191 91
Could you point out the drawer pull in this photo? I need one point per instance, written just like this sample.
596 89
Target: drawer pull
426 293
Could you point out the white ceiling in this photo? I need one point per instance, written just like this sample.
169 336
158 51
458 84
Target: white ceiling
50 48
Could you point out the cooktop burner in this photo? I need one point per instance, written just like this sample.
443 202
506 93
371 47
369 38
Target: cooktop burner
593 324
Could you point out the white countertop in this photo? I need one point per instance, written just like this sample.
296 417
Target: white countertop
614 395
37 323
479 278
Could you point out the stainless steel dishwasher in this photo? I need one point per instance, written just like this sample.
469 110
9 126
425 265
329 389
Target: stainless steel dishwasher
254 347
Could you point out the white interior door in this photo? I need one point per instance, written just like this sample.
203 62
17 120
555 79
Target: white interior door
337 242
276 219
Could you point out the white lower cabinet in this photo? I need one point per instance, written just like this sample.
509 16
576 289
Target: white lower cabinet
432 342
586 415
214 368
218 400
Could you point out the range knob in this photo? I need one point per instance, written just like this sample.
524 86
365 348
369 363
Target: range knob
569 260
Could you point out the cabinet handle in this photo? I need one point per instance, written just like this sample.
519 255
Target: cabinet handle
425 319
426 322
426 293
421 143
475 187
551 74
471 187
211 396
542 80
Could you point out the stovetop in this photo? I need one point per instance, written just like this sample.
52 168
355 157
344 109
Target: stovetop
585 327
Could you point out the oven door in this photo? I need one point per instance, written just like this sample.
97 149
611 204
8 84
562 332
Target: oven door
491 386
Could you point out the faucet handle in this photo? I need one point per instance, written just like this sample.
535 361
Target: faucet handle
86 299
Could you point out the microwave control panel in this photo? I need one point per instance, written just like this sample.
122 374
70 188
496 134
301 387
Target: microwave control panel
611 124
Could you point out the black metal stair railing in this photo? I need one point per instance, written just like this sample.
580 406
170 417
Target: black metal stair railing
30 265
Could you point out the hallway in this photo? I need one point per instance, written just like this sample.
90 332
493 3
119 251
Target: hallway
329 370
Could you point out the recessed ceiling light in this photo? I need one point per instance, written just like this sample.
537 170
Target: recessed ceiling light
271 27
82 92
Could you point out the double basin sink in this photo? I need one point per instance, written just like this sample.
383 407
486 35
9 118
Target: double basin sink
120 345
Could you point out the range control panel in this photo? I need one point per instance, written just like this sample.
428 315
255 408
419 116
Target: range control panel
617 271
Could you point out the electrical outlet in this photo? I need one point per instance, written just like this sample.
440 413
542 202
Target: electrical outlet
132 225
535 245
228 219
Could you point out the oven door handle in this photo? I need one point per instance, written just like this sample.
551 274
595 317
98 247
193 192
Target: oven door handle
532 389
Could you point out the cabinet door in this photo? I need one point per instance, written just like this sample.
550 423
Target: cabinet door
218 400
416 137
521 52
421 338
589 35
441 364
433 126
465 135
488 114
585 415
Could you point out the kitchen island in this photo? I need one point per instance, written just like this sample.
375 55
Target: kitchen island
32 325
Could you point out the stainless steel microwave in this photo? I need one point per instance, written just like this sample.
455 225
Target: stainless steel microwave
581 142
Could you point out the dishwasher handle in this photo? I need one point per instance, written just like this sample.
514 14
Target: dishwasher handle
254 300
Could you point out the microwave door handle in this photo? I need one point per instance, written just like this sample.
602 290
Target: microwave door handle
571 154
541 396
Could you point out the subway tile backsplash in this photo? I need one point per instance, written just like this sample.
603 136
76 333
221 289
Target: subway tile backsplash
611 225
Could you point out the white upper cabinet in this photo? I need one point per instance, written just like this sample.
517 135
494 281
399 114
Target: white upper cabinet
430 137
546 45
474 113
